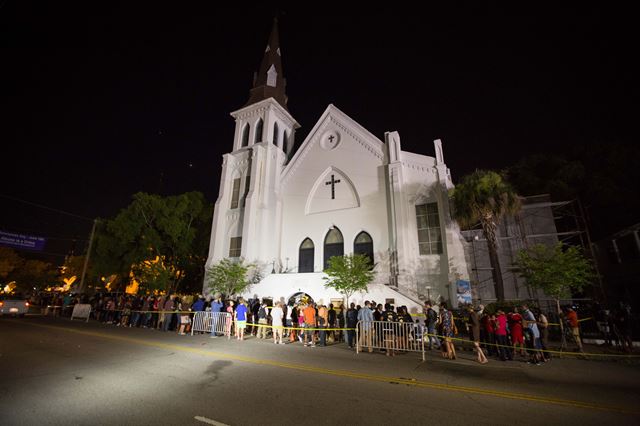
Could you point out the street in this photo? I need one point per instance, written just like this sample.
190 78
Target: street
61 372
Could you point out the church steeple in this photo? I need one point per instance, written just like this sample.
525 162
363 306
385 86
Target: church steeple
269 81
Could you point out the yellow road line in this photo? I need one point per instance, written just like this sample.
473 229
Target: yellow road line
353 374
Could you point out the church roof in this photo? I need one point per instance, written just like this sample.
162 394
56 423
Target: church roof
269 81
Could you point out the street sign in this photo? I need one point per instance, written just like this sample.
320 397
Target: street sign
21 241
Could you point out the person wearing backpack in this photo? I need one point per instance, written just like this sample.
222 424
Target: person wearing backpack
262 320
431 321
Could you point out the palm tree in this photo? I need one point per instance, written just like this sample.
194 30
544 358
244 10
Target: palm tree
484 196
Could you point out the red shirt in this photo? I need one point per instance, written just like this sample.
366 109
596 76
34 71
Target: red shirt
487 324
572 317
501 322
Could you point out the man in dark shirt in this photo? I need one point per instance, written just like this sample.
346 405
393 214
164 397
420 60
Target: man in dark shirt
431 320
333 316
390 319
352 321
377 313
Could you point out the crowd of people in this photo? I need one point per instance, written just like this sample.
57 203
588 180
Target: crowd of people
522 331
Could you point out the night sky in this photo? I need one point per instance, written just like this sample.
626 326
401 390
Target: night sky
99 104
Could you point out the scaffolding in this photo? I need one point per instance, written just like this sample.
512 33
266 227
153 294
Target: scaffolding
540 221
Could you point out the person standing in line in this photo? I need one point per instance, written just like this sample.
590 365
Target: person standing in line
389 318
216 320
624 324
332 323
365 317
301 308
446 319
410 327
160 308
241 318
293 317
543 326
529 321
431 319
572 319
168 313
352 321
474 331
230 321
309 315
514 320
262 320
277 314
253 309
323 320
145 315
501 336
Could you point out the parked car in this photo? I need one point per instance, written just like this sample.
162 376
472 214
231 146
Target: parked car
15 305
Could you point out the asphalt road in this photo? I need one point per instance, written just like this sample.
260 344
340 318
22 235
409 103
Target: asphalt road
58 372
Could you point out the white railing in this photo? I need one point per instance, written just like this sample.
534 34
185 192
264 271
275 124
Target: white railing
393 337
217 323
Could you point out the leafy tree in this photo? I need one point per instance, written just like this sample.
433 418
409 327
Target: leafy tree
174 229
485 197
34 273
349 274
556 270
229 277
9 261
154 274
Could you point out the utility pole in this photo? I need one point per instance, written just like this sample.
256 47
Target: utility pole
86 257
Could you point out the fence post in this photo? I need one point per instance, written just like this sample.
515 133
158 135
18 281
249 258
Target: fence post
420 327
357 338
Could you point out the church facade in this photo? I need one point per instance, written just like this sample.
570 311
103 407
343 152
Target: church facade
342 191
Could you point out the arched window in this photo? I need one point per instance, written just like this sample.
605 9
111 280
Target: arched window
245 135
305 256
258 136
363 244
275 133
333 245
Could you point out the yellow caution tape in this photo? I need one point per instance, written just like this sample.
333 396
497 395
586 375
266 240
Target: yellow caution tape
536 350
298 328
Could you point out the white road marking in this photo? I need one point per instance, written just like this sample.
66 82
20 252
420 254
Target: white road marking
209 421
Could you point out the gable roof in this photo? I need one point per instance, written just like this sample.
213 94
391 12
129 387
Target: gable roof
348 125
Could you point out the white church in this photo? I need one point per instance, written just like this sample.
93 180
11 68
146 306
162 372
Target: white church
343 191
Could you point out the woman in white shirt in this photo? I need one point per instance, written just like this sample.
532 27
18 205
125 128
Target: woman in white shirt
276 322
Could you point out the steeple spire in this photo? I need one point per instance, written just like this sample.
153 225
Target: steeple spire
269 81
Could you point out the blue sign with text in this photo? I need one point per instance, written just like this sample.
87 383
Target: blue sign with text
463 291
21 241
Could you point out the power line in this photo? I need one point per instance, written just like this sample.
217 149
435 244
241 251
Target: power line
45 207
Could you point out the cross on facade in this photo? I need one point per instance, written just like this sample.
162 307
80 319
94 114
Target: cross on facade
333 182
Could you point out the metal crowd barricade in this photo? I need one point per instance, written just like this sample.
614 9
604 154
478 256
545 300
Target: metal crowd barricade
390 336
207 322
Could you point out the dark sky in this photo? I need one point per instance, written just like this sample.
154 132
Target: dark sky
98 104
